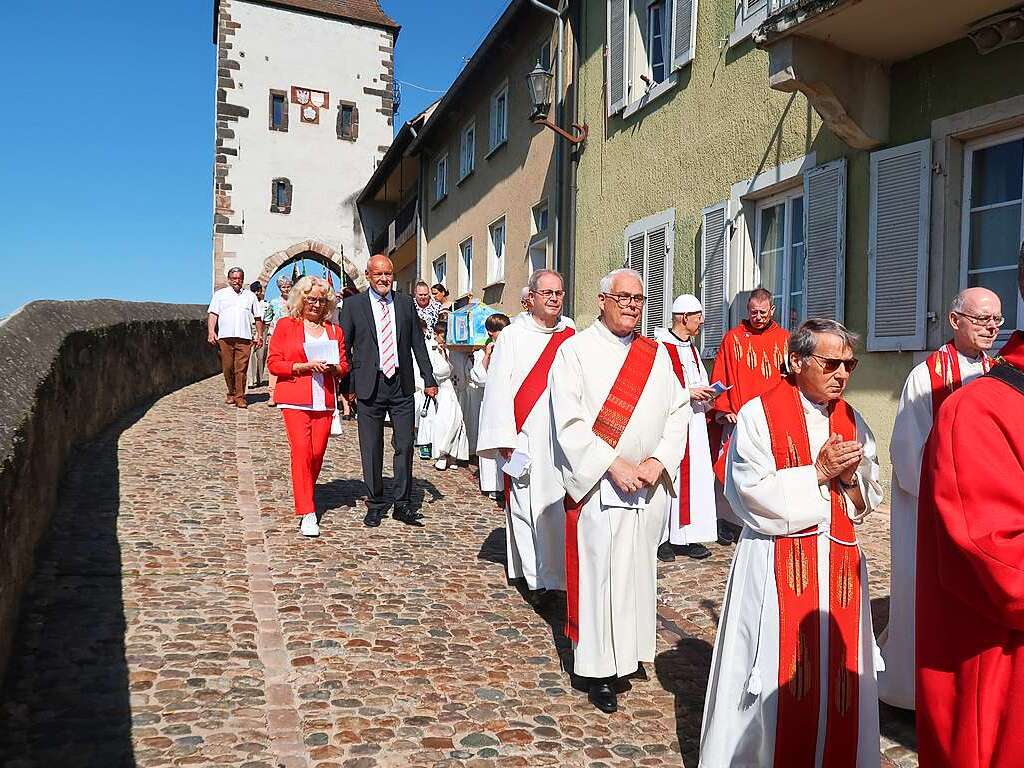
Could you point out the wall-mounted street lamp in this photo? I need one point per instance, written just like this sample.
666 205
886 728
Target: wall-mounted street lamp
538 82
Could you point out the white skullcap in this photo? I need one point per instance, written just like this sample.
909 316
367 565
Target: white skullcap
685 304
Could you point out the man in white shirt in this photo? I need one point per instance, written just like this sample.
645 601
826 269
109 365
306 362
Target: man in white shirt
233 312
975 317
258 363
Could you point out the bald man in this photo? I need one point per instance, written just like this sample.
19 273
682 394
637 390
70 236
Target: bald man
381 337
975 317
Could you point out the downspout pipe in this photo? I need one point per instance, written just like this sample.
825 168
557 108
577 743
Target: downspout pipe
559 14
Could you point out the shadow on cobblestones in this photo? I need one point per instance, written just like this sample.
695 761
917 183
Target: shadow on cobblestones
683 672
66 700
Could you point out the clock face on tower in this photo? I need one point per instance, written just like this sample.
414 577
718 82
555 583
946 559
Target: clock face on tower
310 103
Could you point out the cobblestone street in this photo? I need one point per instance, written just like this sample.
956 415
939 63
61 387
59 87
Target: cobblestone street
178 618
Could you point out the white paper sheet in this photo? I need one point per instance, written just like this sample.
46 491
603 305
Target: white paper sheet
518 464
611 496
323 349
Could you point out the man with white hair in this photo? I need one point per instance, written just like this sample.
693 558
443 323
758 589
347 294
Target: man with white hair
617 415
793 673
692 515
515 419
975 317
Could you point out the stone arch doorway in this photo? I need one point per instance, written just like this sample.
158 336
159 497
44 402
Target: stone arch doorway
314 250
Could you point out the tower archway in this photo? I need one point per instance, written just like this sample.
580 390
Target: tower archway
314 250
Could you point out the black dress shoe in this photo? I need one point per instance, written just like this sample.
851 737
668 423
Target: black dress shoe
408 517
602 696
696 551
665 552
373 518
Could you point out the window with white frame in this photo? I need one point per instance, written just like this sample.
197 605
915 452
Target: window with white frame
440 270
648 40
648 250
544 55
466 266
496 251
499 118
993 218
441 177
467 150
780 254
540 218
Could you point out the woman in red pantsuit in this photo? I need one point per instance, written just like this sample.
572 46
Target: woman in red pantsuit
305 391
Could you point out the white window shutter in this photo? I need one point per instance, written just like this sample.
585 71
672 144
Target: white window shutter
657 279
684 32
714 258
825 240
618 50
898 247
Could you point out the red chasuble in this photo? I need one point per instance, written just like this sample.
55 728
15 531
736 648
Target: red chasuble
609 425
684 469
970 578
944 372
800 615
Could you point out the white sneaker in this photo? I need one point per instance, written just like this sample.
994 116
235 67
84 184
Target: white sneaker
309 526
441 464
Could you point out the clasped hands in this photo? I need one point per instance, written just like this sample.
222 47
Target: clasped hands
838 458
630 478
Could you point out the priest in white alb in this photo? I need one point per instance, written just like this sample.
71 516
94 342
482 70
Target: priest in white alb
618 420
793 672
976 317
692 515
515 426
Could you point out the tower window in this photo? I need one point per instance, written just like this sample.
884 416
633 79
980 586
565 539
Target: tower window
348 120
278 110
280 196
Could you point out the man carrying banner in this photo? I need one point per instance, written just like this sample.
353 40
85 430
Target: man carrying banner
618 413
793 673
515 418
976 317
692 516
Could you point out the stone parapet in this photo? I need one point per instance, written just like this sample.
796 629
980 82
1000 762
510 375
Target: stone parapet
69 368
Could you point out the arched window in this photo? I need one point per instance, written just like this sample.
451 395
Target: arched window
280 196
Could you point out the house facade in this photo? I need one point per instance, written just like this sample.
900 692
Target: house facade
862 160
487 172
304 112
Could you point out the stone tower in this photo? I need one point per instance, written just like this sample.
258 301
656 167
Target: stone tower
304 112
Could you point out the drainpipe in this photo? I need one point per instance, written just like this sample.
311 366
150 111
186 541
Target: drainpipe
559 14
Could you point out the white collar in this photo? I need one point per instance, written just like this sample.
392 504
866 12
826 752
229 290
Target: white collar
810 406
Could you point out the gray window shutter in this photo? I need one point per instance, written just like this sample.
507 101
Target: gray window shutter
618 49
898 247
714 257
635 248
656 280
684 32
825 243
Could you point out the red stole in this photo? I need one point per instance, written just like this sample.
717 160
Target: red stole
536 381
609 425
684 468
944 372
796 578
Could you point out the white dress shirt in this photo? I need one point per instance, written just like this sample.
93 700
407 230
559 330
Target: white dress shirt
235 312
389 301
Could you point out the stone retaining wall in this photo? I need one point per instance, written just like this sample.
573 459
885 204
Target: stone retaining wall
68 369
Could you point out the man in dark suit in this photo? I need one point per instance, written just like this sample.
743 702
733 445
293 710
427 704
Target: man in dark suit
381 336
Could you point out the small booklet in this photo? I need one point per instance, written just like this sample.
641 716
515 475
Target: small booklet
719 388
611 496
323 349
517 465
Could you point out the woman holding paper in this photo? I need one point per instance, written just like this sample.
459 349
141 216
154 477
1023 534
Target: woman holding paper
307 355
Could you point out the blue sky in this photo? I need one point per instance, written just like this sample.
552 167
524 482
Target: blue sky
107 153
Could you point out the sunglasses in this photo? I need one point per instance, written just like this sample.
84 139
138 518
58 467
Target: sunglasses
831 364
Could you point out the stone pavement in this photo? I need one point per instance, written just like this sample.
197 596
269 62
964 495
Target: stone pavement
177 618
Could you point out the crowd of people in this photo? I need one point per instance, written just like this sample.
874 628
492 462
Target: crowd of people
611 451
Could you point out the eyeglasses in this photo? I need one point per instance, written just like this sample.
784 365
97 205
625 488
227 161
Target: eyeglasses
625 299
831 364
548 293
983 321
316 300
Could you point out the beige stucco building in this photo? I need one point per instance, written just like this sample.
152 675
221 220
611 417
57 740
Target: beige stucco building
487 172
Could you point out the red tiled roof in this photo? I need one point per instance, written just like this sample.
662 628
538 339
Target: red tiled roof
367 11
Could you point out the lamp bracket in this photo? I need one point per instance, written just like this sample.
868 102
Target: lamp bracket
578 136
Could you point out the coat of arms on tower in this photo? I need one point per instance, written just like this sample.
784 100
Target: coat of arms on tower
310 103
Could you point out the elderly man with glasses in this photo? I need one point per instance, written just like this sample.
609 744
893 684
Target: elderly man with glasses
794 661
975 317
